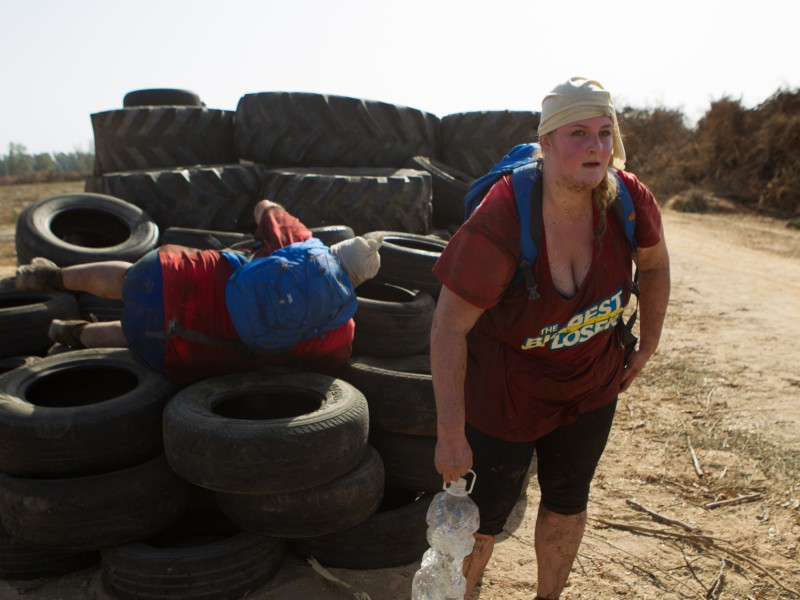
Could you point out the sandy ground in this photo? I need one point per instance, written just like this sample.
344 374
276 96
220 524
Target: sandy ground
725 385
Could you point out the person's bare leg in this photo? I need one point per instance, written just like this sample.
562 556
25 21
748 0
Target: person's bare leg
77 334
103 335
102 279
557 540
475 563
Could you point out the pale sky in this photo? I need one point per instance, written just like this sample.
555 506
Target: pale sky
63 60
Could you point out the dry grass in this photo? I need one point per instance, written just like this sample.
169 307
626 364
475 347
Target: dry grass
43 177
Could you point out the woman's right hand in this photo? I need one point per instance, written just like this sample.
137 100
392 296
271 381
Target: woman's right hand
453 457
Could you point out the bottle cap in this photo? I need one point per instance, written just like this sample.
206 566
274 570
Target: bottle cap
459 486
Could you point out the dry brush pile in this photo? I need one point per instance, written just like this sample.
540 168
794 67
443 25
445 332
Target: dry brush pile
747 156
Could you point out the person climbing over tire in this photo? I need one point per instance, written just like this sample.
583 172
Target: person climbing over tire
190 314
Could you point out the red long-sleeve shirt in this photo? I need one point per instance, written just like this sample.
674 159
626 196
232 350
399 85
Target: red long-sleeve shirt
194 293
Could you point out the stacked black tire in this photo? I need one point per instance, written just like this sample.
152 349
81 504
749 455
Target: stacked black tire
226 461
81 463
177 493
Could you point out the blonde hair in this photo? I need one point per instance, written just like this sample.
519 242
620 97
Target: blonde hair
603 197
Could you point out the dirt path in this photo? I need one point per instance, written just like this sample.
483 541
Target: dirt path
724 385
736 306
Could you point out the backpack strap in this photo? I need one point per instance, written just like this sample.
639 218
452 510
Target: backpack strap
625 214
174 328
518 156
527 184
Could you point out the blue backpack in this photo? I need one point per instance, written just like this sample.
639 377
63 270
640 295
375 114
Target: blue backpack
526 178
296 293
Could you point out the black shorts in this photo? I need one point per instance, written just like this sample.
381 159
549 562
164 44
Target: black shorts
565 458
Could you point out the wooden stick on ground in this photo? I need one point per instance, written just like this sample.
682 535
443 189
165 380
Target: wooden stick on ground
745 498
695 462
716 585
702 540
661 518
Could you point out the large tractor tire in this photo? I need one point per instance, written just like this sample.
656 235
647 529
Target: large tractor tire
472 142
366 199
161 97
296 129
158 137
215 197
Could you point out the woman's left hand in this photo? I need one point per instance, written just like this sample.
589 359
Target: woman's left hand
636 362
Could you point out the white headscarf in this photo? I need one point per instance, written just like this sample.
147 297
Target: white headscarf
581 98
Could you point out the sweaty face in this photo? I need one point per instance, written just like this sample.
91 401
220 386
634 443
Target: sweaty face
579 153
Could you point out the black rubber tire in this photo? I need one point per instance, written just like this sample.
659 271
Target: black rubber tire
74 229
332 234
297 129
25 318
449 188
392 321
159 137
80 413
98 309
21 562
399 392
161 97
407 460
202 556
365 199
473 142
407 260
253 433
9 363
93 512
392 537
219 197
332 506
56 349
202 239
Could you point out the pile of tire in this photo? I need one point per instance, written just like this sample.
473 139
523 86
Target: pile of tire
330 160
232 459
177 493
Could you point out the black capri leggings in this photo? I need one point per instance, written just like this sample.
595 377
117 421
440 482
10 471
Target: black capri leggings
566 461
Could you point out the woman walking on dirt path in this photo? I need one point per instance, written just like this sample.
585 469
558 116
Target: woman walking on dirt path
514 375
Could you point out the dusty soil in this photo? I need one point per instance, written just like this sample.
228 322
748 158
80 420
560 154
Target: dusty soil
714 418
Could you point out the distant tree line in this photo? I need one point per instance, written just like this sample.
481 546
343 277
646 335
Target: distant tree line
19 163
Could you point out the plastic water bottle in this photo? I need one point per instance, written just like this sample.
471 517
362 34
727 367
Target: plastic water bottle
452 520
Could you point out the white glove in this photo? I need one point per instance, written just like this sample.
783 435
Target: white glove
359 257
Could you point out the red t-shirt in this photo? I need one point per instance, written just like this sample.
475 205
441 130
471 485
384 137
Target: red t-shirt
194 293
533 366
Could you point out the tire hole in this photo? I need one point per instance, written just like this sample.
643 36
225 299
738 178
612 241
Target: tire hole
89 228
280 404
80 386
197 526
